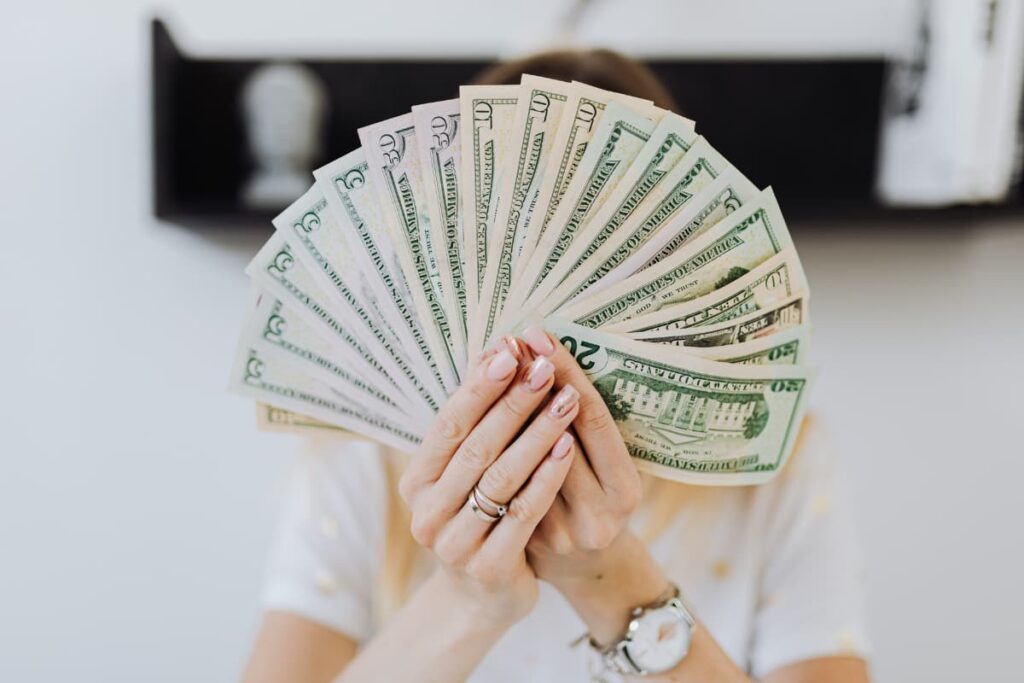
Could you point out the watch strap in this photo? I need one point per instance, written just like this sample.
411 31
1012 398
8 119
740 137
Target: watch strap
616 656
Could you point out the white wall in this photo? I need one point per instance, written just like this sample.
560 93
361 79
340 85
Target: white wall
651 27
137 501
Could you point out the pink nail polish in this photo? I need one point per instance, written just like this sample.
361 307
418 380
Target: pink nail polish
501 366
562 447
512 344
486 353
540 373
564 401
538 340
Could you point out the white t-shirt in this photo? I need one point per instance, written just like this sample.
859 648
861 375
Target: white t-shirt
773 571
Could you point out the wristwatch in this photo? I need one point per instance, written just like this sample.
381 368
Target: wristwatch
656 640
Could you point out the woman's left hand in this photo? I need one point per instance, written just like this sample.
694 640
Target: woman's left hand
601 491
583 546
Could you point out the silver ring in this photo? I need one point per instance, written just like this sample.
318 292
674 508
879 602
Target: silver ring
484 501
481 514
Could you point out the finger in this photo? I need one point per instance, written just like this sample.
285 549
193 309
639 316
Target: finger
507 474
510 536
493 433
581 486
460 539
553 533
597 431
463 411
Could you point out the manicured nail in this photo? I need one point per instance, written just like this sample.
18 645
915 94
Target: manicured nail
501 366
562 447
539 374
487 353
564 401
538 340
512 344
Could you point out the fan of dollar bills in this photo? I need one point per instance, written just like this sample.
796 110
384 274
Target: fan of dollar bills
671 278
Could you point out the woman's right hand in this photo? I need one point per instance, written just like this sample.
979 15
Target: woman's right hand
481 437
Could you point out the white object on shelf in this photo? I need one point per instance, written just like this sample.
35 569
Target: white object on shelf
950 117
283 107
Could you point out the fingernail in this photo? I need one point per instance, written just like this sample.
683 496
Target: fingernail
564 401
539 373
562 446
512 344
486 353
538 340
501 366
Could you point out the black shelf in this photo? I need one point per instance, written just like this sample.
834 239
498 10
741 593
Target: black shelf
808 128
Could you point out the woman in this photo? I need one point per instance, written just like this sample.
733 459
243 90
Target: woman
536 528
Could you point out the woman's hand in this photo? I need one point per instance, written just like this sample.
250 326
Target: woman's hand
601 490
481 436
583 546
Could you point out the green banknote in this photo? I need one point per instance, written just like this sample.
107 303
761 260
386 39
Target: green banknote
724 253
725 194
667 145
310 227
690 419
581 119
279 332
393 161
276 270
598 252
487 113
440 144
618 139
363 231
265 380
778 278
538 112
273 419
787 313
788 347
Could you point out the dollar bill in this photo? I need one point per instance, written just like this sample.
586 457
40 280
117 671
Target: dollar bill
665 148
310 227
487 113
726 252
439 138
669 276
617 140
538 112
787 313
723 195
691 419
279 332
273 419
345 184
777 279
395 171
584 110
625 231
261 378
276 270
787 347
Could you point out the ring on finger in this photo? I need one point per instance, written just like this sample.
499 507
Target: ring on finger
488 504
481 514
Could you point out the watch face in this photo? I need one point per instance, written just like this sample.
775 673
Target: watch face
659 641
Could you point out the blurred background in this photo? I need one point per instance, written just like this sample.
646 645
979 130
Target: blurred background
137 500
